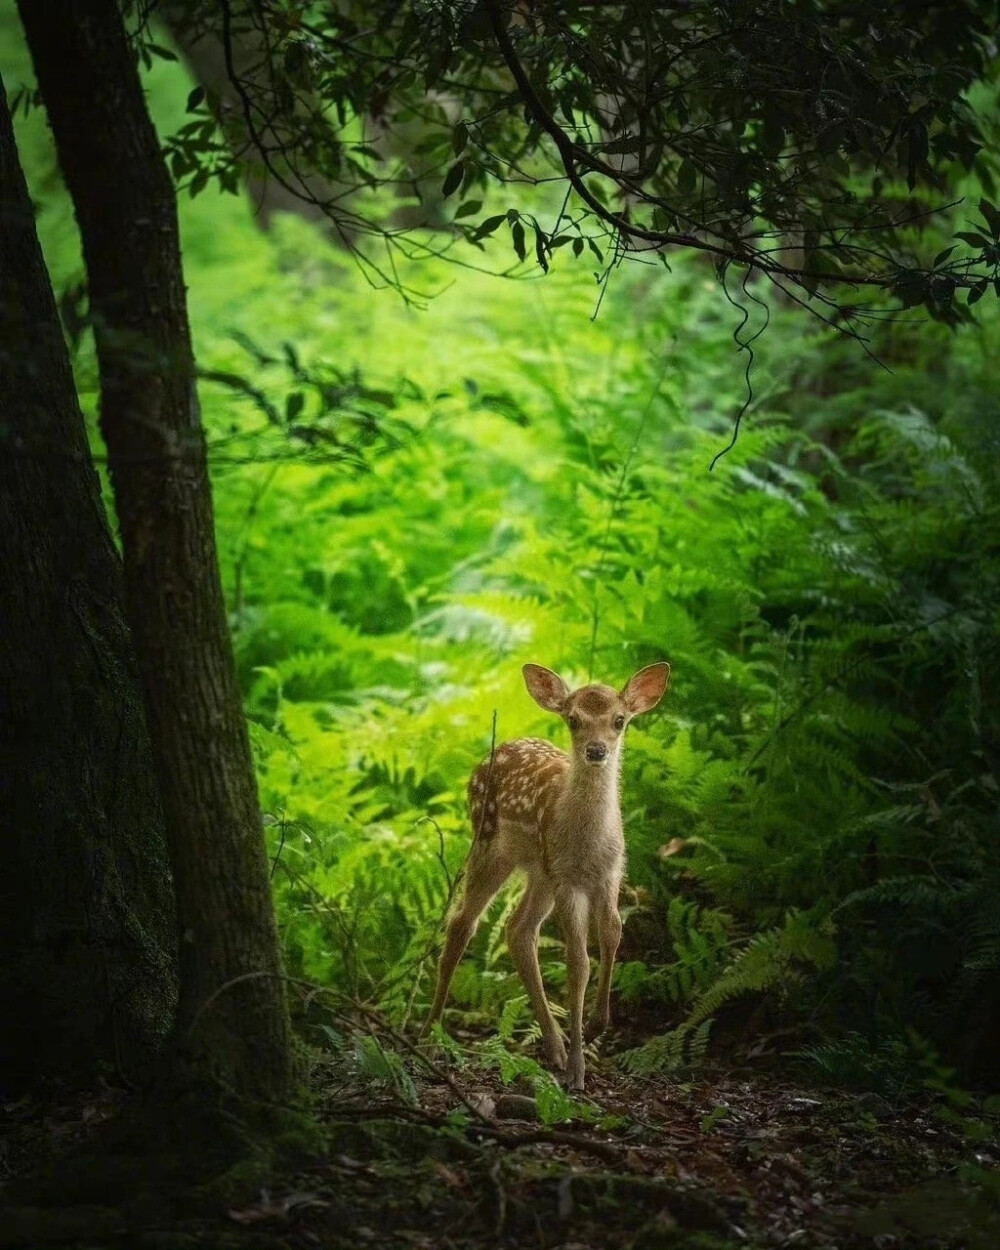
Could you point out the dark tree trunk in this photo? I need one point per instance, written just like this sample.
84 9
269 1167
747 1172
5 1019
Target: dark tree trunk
87 937
232 1016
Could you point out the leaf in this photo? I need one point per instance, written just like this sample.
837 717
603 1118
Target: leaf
489 225
540 250
975 240
991 216
687 178
459 138
453 179
163 53
708 1122
941 257
977 292
577 246
195 98
517 236
294 404
468 208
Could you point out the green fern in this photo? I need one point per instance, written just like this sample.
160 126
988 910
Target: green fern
683 1049
770 961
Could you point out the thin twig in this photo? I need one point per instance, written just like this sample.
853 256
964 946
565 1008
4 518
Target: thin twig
744 345
489 774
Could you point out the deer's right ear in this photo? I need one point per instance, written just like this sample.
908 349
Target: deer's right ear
547 688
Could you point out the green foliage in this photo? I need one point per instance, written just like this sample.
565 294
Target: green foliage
814 169
854 1061
770 960
554 1105
823 758
382 1070
411 504
680 1050
700 940
976 1119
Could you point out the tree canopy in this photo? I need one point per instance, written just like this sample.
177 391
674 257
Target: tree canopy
806 142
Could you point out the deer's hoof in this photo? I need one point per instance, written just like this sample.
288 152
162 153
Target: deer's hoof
574 1074
555 1052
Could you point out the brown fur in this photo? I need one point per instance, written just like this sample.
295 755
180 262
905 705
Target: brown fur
556 816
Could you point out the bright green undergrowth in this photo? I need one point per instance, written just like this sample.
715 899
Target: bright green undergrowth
809 814
412 502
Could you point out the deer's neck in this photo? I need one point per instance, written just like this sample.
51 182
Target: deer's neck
593 792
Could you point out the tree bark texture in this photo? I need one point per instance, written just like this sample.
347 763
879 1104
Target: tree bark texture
232 1015
87 935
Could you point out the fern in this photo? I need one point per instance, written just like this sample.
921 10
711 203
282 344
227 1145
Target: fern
683 1049
886 1066
554 1104
770 961
828 601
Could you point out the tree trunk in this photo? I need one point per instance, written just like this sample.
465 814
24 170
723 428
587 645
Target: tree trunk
87 935
232 1015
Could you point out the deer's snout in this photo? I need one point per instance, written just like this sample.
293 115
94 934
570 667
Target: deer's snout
596 752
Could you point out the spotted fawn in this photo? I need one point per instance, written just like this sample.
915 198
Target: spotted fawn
555 815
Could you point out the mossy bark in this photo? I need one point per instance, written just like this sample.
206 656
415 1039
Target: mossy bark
87 937
232 1016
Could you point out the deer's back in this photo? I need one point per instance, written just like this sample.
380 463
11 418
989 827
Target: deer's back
519 785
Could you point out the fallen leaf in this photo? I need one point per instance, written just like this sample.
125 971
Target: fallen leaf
672 847
275 1208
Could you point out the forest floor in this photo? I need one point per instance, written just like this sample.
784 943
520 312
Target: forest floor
730 1158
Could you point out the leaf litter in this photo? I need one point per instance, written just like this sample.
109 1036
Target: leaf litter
729 1158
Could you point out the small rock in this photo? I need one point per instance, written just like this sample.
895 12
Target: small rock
875 1105
484 1104
516 1107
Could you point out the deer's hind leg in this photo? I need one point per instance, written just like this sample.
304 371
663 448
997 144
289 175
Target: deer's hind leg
485 872
522 942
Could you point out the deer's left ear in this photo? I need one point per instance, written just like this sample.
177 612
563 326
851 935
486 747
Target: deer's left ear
646 688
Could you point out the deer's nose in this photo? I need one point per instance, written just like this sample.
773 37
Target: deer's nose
596 751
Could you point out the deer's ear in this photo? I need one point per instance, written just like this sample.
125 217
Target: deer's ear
646 688
547 688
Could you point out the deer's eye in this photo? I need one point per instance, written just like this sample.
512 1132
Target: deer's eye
573 721
619 722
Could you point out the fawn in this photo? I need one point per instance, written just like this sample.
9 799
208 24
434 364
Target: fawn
557 816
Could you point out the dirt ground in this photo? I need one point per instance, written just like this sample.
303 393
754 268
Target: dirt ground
731 1158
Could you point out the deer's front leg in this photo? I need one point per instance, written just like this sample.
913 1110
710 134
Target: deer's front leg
522 942
609 932
573 911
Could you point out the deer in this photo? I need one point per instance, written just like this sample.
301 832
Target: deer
555 815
